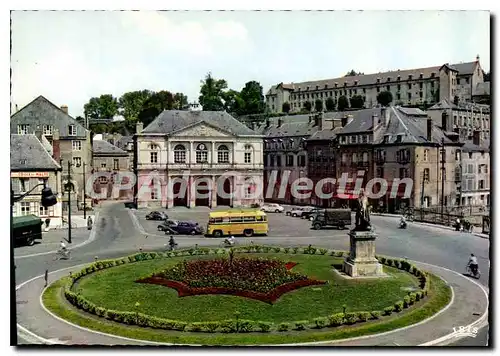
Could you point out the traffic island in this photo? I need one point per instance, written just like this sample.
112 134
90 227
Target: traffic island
95 298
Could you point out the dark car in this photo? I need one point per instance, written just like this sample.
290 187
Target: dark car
310 213
186 228
166 226
156 215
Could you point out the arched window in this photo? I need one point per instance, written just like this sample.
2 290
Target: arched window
153 155
248 154
223 154
365 156
179 154
201 153
354 157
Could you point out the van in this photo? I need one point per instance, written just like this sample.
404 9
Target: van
339 218
247 222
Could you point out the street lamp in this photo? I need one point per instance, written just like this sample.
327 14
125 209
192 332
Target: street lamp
48 199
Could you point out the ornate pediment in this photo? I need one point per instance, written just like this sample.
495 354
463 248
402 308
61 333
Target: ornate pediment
201 130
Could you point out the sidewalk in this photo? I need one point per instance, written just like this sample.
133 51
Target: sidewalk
484 236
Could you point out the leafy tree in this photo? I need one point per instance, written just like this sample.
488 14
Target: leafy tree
212 93
103 107
487 76
80 120
233 103
162 100
132 104
286 107
253 97
343 103
318 105
308 106
353 73
384 98
330 104
180 101
357 102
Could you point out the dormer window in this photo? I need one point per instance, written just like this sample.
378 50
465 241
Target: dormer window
356 82
378 80
307 88
421 75
345 84
387 138
433 74
326 86
410 77
399 138
71 130
317 87
388 79
336 85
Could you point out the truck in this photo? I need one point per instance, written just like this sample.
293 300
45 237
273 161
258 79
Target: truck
339 218
26 229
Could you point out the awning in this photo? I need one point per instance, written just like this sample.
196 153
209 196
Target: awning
346 196
25 221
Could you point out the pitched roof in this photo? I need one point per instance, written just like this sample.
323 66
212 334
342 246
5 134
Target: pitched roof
43 112
123 141
104 147
482 89
370 79
446 104
362 120
443 105
325 134
170 121
28 153
470 147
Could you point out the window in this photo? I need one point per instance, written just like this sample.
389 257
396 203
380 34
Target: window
179 154
353 139
301 160
457 155
403 156
271 161
278 161
103 165
426 155
470 168
25 208
289 161
47 130
380 156
426 175
153 157
77 161
250 189
470 184
103 180
201 153
116 164
380 172
404 173
344 157
72 130
421 85
153 194
365 138
76 145
481 184
23 129
354 157
365 156
24 184
470 155
223 154
248 154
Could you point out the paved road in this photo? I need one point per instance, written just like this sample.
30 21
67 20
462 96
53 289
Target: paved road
117 235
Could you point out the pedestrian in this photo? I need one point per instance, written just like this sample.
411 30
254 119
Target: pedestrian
46 277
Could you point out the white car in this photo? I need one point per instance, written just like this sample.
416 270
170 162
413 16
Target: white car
272 208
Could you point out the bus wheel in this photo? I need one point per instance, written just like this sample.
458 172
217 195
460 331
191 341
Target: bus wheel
248 232
30 241
217 233
317 226
341 225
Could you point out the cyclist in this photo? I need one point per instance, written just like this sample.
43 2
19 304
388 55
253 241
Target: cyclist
473 265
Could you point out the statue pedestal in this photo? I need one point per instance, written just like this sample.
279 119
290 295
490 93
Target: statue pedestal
361 261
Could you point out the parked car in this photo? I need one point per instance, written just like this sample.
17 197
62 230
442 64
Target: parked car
310 213
166 226
272 208
297 212
156 215
332 217
186 228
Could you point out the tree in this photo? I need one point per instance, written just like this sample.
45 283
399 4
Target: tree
162 100
101 108
212 93
233 103
357 102
330 104
318 105
343 103
308 106
80 120
384 98
180 101
132 103
253 98
286 107
486 76
353 73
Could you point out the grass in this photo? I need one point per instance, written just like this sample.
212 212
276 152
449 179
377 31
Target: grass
439 296
115 289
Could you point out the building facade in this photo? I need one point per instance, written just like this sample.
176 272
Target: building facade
408 87
197 158
476 175
70 140
29 170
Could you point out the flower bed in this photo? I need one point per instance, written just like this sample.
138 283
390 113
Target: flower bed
262 279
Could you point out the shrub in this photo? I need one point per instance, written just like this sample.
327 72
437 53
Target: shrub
331 253
195 327
351 318
301 325
375 314
283 327
398 306
397 264
413 298
286 249
179 326
295 250
245 326
336 319
323 251
389 262
100 311
339 254
383 260
364 316
210 326
388 310
320 322
264 326
277 249
265 249
228 326
406 301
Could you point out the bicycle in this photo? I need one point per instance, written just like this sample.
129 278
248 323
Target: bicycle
62 255
469 272
227 244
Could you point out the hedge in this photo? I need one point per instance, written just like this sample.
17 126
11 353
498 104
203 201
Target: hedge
237 326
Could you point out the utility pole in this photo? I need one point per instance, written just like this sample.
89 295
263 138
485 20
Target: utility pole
84 193
68 187
443 173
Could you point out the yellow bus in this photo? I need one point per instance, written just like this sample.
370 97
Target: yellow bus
247 222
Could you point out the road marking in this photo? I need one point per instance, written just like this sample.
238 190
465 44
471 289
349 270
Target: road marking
91 238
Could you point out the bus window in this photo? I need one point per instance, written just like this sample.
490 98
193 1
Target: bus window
225 220
236 219
248 218
265 218
211 220
259 218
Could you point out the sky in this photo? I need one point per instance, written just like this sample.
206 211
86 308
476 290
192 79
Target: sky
71 56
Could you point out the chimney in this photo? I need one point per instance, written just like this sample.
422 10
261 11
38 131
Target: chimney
139 126
476 138
344 121
56 148
385 115
429 129
374 121
64 108
444 121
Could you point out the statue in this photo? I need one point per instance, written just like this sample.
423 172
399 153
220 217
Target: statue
362 213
